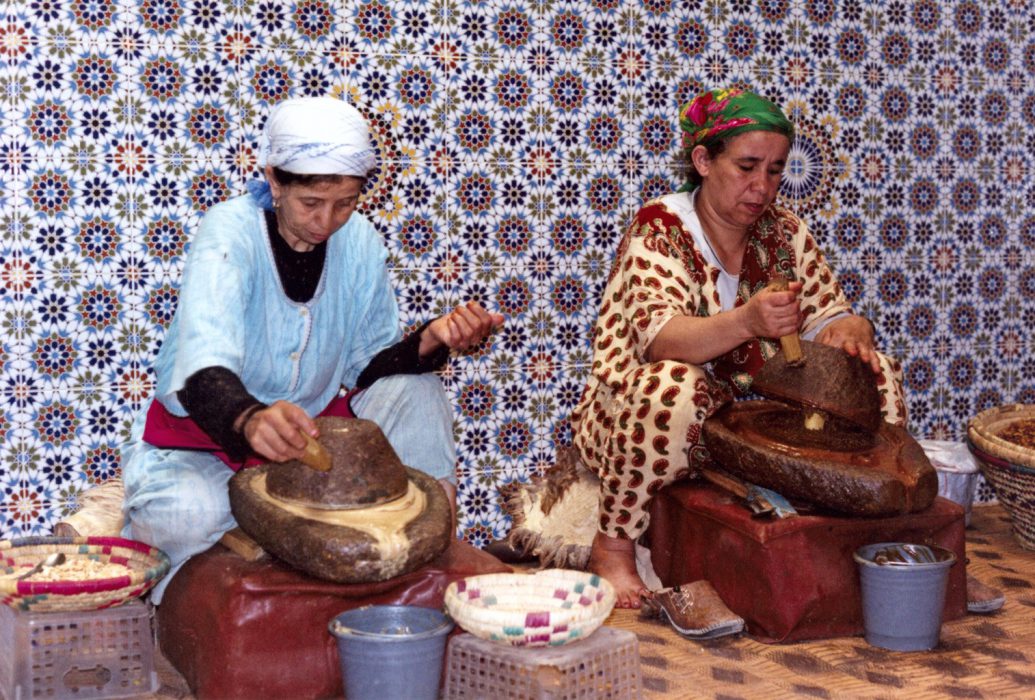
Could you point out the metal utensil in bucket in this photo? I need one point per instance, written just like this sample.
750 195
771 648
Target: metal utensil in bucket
391 651
903 593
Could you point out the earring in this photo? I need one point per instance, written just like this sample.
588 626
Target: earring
276 204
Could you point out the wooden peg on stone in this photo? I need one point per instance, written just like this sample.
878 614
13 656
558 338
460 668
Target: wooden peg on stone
790 343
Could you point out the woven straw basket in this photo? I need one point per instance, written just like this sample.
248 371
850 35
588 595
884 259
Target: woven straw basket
144 566
1009 467
548 608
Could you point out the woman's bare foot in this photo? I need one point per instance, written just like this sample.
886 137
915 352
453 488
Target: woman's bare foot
614 558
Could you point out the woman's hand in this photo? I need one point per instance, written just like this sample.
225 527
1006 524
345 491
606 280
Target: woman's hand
276 432
854 335
460 329
772 314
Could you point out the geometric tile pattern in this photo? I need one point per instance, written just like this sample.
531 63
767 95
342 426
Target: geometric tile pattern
516 138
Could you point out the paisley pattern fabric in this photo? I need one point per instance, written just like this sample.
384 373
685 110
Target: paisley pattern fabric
638 424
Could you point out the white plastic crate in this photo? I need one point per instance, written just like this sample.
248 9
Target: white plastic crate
89 654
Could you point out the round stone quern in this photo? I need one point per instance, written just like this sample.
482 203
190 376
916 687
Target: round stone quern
369 518
856 464
365 470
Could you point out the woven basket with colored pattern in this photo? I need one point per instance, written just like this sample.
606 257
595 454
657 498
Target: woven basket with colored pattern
547 608
144 566
1007 466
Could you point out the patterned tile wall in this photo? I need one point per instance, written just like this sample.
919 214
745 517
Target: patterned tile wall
517 139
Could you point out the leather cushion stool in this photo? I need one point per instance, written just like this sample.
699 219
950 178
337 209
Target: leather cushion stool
241 629
790 579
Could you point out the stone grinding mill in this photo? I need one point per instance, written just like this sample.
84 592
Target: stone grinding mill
366 518
818 437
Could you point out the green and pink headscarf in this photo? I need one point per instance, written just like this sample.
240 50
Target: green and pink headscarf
727 112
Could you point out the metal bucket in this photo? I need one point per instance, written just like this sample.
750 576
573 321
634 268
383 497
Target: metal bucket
391 651
903 593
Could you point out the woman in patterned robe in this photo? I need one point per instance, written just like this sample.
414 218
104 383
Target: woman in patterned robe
686 319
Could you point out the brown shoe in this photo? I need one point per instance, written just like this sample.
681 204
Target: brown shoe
694 610
982 598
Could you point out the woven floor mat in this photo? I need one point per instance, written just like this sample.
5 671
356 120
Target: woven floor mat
980 656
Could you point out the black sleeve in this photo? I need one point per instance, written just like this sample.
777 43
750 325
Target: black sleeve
214 398
402 358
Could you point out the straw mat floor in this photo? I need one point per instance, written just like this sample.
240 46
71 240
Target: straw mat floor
980 656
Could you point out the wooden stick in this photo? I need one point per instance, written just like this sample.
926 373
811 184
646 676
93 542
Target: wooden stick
722 481
241 544
790 343
315 455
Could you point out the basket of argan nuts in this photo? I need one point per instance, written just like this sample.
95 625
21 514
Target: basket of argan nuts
47 574
1002 440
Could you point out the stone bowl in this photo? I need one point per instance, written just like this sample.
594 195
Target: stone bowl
365 470
338 552
830 380
857 473
369 518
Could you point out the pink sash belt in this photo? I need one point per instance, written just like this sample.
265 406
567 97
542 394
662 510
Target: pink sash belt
163 429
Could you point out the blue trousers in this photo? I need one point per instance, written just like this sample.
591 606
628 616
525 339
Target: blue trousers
178 500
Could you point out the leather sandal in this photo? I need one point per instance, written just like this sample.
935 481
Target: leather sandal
982 598
695 610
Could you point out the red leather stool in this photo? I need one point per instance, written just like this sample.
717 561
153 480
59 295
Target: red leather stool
790 579
241 629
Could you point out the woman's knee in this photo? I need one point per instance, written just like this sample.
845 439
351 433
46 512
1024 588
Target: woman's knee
193 503
669 398
422 392
179 498
416 417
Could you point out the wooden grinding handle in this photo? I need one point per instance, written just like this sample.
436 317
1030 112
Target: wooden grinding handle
315 455
725 482
790 343
241 544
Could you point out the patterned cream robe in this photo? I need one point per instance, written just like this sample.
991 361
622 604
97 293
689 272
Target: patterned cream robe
638 423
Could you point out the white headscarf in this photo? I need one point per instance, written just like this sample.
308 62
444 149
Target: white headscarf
317 136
